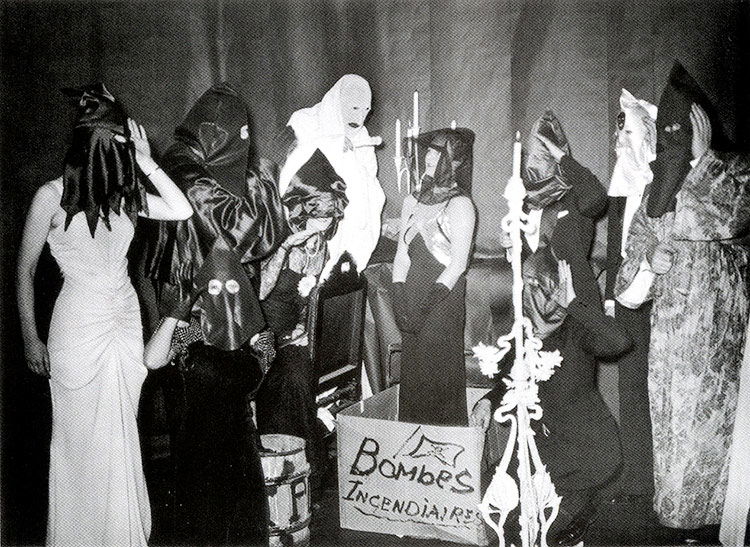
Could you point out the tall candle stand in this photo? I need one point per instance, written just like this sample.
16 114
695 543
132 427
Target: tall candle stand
532 488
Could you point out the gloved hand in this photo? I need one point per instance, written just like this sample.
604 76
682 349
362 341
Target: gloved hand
438 292
400 310
188 293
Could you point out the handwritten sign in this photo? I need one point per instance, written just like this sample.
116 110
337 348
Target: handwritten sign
409 479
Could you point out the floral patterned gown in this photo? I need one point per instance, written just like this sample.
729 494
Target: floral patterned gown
700 311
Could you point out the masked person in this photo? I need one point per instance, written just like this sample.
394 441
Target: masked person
94 356
636 148
333 132
680 254
429 286
237 207
285 402
577 436
219 491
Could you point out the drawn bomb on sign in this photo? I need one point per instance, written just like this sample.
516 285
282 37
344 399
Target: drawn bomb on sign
445 453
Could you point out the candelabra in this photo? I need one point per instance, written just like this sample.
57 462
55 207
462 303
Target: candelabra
533 489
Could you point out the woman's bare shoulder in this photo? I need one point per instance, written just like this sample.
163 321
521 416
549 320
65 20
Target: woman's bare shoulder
461 205
55 185
50 191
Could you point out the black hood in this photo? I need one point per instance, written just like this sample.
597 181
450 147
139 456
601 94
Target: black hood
674 136
100 169
453 173
216 129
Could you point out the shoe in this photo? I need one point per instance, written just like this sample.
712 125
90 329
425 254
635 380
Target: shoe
574 532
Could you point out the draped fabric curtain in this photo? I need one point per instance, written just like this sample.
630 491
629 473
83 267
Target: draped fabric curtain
490 65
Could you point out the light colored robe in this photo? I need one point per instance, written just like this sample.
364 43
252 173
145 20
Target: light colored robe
700 311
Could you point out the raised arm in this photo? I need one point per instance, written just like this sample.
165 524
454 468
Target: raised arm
160 349
171 203
45 204
401 261
714 201
589 194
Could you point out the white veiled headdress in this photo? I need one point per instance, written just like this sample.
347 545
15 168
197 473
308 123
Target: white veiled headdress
632 171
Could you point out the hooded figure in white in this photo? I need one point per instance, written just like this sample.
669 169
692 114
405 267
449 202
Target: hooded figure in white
636 149
335 126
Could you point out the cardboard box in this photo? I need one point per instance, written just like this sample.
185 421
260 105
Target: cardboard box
409 479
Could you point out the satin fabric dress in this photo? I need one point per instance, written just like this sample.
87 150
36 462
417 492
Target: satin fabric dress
97 490
433 370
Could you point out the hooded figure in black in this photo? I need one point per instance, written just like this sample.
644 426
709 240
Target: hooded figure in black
233 196
238 220
684 254
577 436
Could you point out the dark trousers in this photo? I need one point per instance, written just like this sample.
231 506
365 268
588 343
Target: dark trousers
635 417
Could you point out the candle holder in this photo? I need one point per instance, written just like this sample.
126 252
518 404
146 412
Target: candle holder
532 488
402 168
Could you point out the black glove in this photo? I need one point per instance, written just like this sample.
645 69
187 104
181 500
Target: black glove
188 293
438 292
400 309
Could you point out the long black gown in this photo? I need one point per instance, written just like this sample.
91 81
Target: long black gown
433 372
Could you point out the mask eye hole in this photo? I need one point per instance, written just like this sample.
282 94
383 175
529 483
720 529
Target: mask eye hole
214 287
232 286
621 120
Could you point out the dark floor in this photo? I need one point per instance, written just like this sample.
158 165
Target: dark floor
630 522
25 460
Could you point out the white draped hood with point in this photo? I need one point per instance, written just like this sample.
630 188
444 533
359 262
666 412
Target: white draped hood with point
326 127
636 149
636 146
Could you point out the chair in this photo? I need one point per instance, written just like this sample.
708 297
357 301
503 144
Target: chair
474 376
335 326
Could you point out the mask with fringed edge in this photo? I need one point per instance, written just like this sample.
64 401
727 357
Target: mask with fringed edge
100 168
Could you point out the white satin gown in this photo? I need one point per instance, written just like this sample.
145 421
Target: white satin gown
97 489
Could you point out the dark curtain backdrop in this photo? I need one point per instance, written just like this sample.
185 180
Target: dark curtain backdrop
491 65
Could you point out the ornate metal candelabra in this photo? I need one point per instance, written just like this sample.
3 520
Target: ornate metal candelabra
403 168
533 488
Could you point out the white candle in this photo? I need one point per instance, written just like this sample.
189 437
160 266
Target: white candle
517 155
398 138
409 135
453 124
416 111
